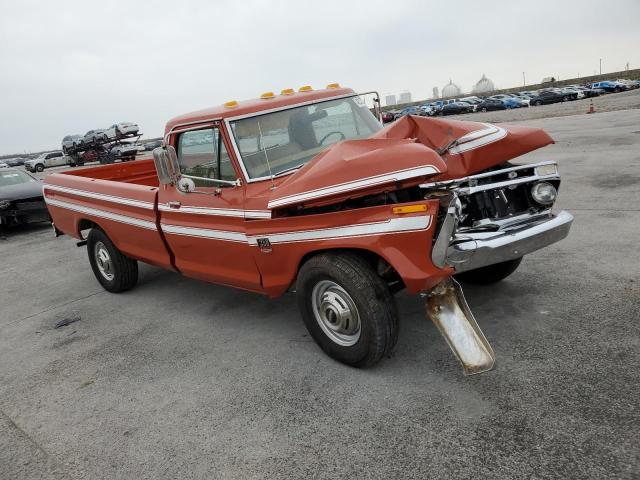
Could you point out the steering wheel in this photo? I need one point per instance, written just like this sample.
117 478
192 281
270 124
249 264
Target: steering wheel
342 136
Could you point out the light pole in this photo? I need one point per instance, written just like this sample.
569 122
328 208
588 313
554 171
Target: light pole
600 66
524 81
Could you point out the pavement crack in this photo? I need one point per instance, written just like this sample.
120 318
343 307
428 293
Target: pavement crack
53 307
31 440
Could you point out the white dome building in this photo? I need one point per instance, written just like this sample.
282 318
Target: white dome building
484 85
451 90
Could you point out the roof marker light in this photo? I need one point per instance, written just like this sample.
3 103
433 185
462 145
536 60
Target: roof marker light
231 104
333 85
287 91
305 88
267 95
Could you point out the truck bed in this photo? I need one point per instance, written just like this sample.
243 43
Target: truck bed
120 198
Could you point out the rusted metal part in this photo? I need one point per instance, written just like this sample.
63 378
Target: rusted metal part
448 309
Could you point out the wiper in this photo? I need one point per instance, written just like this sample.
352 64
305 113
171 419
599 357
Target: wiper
287 170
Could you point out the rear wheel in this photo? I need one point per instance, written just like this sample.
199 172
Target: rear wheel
491 273
537 103
347 308
115 272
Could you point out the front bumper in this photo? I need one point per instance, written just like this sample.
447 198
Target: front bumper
472 250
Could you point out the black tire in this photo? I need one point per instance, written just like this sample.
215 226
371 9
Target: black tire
565 99
484 109
491 273
537 103
373 301
39 168
124 270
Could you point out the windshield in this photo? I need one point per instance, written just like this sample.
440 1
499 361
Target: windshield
14 177
287 139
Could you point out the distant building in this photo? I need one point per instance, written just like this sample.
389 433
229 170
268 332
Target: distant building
483 85
405 97
390 100
436 92
451 90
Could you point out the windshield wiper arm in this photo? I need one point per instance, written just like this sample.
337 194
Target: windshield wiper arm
287 170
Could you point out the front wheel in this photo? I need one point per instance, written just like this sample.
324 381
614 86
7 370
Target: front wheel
39 167
537 103
347 308
115 272
491 273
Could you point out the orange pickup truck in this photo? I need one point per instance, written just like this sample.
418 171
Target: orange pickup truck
306 191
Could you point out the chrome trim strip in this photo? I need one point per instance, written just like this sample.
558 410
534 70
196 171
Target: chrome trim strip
478 138
136 222
390 226
100 196
221 212
457 181
343 187
393 225
507 183
204 233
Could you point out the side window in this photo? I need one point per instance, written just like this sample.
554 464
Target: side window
202 153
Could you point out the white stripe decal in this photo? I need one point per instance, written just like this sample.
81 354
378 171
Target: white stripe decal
222 212
478 138
100 196
204 233
393 225
344 187
102 214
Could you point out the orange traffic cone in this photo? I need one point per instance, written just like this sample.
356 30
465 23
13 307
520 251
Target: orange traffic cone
591 108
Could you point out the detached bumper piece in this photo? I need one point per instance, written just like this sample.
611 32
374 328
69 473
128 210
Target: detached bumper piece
448 309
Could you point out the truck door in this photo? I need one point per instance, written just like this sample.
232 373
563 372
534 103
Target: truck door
205 229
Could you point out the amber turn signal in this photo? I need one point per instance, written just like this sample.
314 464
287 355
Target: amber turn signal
409 209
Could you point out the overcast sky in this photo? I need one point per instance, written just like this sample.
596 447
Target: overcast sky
70 66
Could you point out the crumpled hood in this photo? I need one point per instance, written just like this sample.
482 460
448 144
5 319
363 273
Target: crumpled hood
405 152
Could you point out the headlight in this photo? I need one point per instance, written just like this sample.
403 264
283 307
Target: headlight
544 170
544 193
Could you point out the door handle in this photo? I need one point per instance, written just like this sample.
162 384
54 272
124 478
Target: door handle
174 204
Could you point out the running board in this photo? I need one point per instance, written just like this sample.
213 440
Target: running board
448 309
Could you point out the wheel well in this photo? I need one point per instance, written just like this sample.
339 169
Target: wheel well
382 268
85 224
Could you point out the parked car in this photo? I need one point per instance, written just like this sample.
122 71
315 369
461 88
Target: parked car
119 130
71 142
631 84
490 104
14 162
93 136
513 102
46 160
549 96
412 110
427 110
21 199
609 86
455 108
156 143
352 216
4 165
387 116
124 152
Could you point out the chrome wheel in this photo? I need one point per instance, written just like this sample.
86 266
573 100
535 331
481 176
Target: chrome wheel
336 313
103 260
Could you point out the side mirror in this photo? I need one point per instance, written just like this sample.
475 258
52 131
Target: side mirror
166 162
